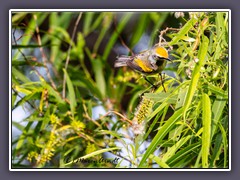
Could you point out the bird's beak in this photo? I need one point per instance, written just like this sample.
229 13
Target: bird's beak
168 59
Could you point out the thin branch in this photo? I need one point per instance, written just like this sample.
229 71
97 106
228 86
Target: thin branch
117 113
119 155
68 54
90 119
26 100
32 67
119 36
25 58
162 82
35 39
160 43
43 54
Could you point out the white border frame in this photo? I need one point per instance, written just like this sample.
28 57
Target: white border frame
116 10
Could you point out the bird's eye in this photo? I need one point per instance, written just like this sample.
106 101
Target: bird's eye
155 57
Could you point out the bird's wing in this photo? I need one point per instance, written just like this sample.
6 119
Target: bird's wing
122 61
141 65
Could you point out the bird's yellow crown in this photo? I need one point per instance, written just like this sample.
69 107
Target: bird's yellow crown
162 52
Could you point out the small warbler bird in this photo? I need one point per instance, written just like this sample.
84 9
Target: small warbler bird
148 62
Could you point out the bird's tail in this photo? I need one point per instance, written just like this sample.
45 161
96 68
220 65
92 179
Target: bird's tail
122 61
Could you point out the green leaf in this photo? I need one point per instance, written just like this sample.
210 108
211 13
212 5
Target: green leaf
221 28
181 97
183 153
115 35
22 137
188 39
184 30
97 22
225 145
71 92
216 150
156 111
63 32
53 93
142 24
57 20
88 18
216 90
206 135
161 97
159 19
18 126
31 96
155 121
162 132
196 74
99 75
217 111
159 161
171 151
30 29
106 24
18 75
22 90
18 17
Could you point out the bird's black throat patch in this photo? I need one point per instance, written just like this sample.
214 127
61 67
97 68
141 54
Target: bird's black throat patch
160 62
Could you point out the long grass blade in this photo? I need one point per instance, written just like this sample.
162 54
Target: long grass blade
160 135
196 74
206 135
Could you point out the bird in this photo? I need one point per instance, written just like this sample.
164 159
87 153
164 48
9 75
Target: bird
148 62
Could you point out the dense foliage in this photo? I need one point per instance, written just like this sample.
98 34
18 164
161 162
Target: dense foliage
79 108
